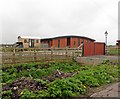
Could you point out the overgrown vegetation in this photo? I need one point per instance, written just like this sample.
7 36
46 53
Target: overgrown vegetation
54 79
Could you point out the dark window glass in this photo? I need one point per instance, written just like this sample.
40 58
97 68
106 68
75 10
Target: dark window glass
37 41
58 43
25 41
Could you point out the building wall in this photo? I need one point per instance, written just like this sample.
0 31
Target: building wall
37 44
73 42
89 49
99 48
26 44
94 48
63 42
55 43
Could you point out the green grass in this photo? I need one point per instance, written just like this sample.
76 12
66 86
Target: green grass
87 76
113 51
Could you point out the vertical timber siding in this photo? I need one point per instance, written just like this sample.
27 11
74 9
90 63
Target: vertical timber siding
99 48
94 48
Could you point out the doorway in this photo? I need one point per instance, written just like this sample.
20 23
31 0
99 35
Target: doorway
68 42
58 43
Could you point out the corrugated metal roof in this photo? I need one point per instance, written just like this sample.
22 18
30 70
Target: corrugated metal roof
29 37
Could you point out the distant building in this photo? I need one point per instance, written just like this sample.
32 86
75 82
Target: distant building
65 41
118 43
6 45
28 42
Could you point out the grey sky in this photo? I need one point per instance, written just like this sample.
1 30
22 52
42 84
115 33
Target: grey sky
49 18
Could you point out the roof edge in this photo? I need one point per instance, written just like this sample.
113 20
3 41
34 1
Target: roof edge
67 36
29 37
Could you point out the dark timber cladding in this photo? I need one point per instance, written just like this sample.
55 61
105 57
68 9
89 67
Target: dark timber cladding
66 41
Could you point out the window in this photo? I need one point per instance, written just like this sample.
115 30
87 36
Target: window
25 41
37 41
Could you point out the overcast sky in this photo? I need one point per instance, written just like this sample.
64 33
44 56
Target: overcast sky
50 18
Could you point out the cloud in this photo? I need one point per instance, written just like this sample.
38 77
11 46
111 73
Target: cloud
49 18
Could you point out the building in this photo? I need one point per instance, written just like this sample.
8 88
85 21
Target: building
90 47
28 42
65 41
118 43
6 45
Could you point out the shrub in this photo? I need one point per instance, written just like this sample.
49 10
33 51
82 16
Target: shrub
66 88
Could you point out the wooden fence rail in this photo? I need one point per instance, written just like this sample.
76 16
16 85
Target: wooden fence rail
20 55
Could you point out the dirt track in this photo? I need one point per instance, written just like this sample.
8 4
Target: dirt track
113 90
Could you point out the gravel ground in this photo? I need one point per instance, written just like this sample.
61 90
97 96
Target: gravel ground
96 60
113 90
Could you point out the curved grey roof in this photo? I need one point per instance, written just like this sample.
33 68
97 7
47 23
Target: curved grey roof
67 37
29 37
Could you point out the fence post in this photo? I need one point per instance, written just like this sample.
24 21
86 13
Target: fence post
13 56
34 55
51 53
66 52
79 53
73 55
82 50
45 54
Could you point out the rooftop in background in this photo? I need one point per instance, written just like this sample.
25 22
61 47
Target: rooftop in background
66 37
29 37
118 40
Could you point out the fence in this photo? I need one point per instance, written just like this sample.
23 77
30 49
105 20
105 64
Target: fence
112 50
20 55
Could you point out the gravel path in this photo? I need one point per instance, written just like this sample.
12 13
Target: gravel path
96 60
112 90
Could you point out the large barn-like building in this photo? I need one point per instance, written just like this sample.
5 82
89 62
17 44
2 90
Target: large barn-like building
65 41
90 46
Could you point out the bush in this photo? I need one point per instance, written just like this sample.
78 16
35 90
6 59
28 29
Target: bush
66 87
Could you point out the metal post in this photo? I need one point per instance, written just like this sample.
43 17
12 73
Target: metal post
106 33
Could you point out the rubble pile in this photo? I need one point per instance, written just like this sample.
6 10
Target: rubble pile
58 74
22 83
